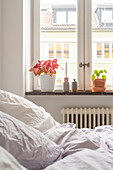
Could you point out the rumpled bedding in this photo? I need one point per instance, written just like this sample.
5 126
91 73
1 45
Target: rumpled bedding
8 162
26 111
84 149
80 149
29 146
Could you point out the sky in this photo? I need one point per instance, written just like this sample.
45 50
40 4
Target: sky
73 1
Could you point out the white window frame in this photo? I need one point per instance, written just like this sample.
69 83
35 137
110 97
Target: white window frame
84 41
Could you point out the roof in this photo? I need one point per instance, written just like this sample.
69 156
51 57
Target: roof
47 12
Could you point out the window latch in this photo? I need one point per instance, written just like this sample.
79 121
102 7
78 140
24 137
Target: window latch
84 65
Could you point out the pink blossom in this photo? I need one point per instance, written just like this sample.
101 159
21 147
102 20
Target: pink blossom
46 67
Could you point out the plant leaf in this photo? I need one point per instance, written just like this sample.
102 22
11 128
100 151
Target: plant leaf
104 77
98 74
101 71
105 71
93 77
95 71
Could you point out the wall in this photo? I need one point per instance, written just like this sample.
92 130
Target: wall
0 38
54 104
12 46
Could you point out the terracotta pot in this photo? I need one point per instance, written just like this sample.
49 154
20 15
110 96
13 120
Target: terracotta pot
98 89
98 85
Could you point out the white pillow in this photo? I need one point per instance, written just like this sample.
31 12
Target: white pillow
26 111
8 162
29 146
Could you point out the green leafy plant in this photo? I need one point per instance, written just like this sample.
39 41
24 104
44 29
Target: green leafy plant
98 73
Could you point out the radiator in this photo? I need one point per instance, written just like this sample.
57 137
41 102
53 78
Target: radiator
88 117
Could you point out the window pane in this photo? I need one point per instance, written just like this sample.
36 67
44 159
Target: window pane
72 17
102 37
106 50
112 50
58 50
66 51
51 50
99 50
61 17
58 35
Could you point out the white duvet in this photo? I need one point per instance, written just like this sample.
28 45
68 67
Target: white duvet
26 111
84 149
30 147
85 159
8 162
58 148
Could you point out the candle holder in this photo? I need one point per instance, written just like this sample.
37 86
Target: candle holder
66 80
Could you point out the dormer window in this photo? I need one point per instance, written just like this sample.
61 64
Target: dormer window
64 15
107 17
104 14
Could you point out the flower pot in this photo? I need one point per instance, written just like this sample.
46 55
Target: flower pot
98 85
47 83
98 89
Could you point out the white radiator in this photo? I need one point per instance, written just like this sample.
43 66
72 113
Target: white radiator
88 117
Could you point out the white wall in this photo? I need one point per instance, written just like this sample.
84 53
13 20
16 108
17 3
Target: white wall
12 46
54 104
0 39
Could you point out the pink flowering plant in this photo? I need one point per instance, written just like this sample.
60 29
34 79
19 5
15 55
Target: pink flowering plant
45 67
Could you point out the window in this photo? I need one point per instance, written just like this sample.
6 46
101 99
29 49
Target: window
104 50
102 31
66 51
99 50
76 31
64 14
107 17
51 51
61 17
59 51
104 13
58 36
112 50
72 17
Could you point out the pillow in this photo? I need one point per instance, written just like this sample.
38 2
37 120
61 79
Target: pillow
7 161
29 146
26 111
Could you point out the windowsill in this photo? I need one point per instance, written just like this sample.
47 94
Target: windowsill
37 92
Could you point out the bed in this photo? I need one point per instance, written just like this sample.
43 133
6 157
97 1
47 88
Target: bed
30 138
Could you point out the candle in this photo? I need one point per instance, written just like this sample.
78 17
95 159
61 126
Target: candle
66 69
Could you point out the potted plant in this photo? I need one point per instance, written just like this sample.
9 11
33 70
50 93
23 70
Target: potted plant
47 72
99 83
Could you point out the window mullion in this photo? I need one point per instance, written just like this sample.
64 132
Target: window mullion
88 43
80 42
